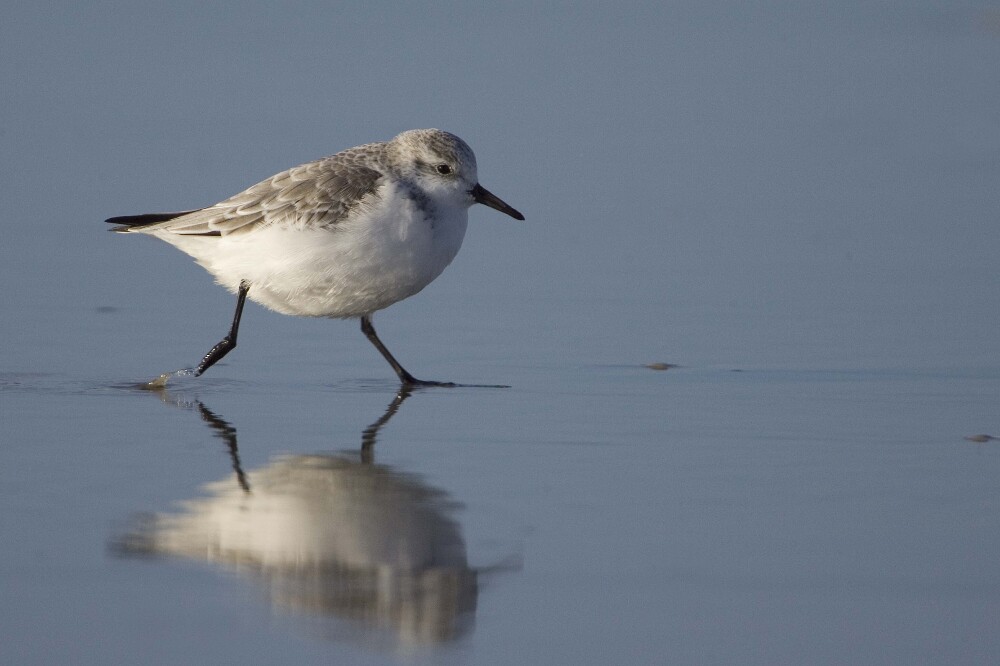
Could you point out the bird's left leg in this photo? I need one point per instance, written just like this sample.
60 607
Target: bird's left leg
228 343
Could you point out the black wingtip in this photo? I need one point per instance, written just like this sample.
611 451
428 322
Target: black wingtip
127 222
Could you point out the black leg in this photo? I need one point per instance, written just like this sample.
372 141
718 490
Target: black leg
226 432
371 432
228 343
404 376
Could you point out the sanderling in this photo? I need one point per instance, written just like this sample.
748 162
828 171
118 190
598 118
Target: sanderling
341 237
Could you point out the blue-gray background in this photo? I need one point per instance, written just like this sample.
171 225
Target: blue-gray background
807 193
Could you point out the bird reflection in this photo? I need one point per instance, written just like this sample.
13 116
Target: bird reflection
330 535
225 431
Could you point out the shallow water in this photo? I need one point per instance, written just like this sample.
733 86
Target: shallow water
747 328
595 514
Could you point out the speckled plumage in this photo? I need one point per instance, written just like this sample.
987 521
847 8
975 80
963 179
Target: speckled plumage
343 236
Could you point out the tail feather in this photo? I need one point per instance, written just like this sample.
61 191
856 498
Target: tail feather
130 222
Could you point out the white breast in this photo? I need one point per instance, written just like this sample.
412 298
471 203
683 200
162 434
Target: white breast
376 257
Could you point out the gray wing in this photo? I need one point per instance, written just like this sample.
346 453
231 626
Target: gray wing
316 194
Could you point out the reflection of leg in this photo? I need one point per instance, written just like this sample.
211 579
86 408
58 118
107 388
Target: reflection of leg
226 432
404 376
228 343
371 432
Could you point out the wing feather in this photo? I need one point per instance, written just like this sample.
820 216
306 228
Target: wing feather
321 193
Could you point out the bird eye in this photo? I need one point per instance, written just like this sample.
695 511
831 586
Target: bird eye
443 169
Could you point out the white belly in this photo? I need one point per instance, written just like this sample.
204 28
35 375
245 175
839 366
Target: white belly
364 264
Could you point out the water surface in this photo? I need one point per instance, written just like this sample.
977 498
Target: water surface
793 211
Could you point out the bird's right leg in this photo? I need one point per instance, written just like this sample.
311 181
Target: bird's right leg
405 377
228 343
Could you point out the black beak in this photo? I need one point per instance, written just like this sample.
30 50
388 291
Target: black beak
482 195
